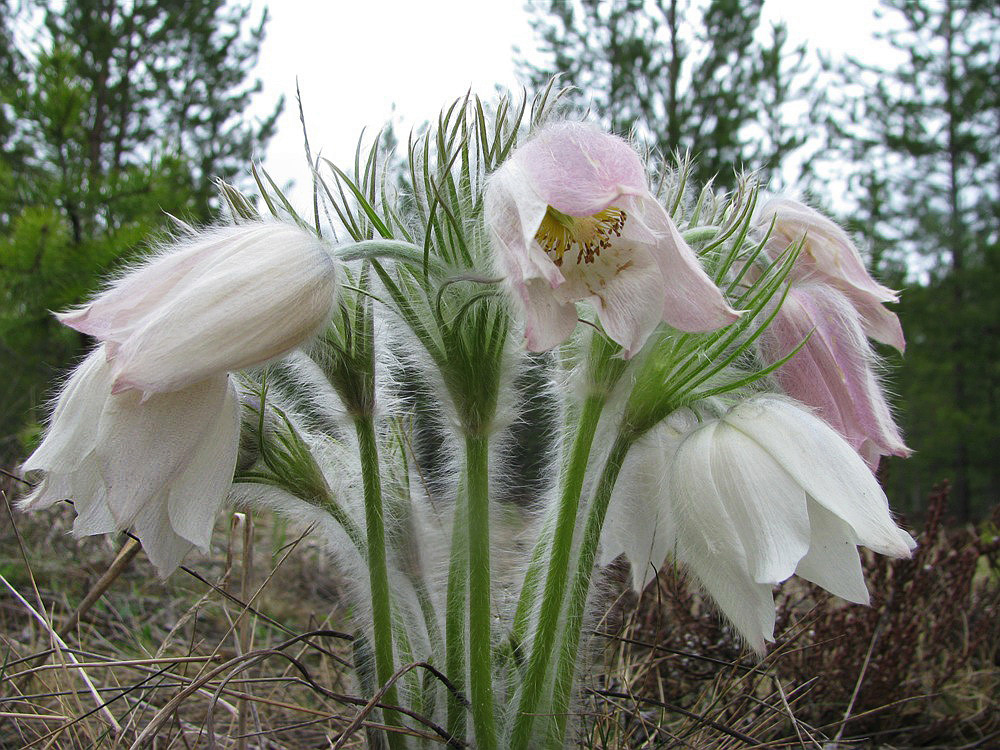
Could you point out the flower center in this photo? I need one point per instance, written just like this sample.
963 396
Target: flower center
559 232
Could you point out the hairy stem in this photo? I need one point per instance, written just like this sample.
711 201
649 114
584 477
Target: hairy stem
454 623
558 572
566 668
377 570
480 649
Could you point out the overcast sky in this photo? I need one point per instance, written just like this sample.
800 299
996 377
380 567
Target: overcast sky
355 60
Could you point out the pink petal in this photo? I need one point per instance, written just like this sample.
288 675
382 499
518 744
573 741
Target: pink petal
691 300
828 251
629 302
547 321
834 371
880 323
578 169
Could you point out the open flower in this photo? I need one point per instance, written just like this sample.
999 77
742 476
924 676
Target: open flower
835 370
220 300
766 491
829 256
161 466
572 219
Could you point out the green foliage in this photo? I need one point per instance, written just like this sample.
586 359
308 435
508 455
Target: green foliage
113 114
696 81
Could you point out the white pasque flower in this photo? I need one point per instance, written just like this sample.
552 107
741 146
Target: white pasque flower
160 465
220 300
767 491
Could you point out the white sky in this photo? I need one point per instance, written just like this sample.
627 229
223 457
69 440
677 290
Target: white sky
354 60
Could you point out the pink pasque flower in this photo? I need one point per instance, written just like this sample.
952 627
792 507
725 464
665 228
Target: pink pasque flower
161 466
835 370
829 256
572 219
218 301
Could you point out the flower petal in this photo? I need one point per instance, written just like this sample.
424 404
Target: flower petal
747 604
580 170
143 446
691 300
197 493
628 300
253 306
833 561
164 547
639 522
827 249
70 436
548 321
834 372
826 467
766 505
709 543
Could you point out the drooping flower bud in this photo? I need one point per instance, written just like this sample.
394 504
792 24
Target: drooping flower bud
218 301
572 219
766 491
829 256
835 370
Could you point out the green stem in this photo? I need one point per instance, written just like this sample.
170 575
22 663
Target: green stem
377 570
566 669
532 578
454 623
480 649
558 572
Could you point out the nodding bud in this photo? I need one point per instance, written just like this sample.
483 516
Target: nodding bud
770 490
830 257
219 300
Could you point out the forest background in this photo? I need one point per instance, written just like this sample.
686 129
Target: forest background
115 116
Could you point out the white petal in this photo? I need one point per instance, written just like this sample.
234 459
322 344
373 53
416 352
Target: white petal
70 436
767 506
143 446
50 489
747 604
833 561
164 547
826 467
639 523
196 494
250 307
116 313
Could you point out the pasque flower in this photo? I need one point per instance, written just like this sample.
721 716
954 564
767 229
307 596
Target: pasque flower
571 217
830 257
833 304
746 500
835 370
160 465
220 300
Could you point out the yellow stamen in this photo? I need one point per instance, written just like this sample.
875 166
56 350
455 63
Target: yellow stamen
559 232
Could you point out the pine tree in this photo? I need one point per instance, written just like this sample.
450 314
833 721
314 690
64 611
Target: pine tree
696 81
115 113
925 141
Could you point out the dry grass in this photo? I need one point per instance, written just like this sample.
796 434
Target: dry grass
246 651
919 668
184 661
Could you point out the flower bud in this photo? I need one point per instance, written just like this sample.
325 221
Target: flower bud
218 301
